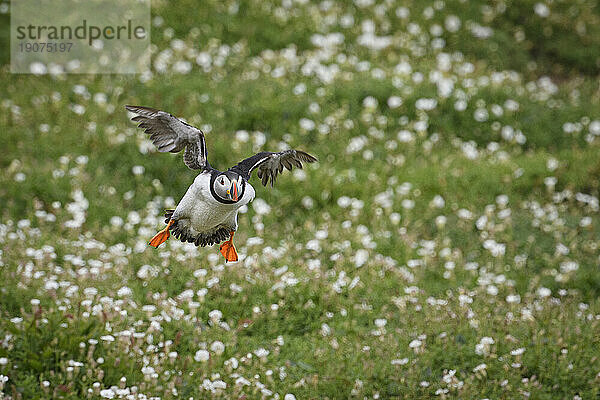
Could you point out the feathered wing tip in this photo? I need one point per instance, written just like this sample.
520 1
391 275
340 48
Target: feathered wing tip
170 134
303 156
268 169
145 111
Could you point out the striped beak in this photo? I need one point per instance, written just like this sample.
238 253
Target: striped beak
233 191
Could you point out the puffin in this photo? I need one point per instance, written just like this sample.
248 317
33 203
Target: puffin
207 213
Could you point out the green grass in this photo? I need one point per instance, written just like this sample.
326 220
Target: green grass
507 254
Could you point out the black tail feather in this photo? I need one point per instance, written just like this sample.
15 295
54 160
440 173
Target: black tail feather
203 239
168 215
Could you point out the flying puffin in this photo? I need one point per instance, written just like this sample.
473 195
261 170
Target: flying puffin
207 213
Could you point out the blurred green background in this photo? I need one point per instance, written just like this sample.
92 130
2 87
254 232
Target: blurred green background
455 200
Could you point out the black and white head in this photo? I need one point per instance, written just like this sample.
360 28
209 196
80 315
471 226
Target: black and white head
228 186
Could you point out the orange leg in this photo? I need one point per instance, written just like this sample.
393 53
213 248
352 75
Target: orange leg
228 249
161 236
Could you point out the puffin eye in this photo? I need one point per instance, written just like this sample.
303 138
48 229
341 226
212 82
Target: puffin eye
222 181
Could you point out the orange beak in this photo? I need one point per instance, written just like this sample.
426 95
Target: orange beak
234 196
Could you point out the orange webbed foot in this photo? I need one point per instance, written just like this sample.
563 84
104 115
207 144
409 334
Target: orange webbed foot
161 236
228 249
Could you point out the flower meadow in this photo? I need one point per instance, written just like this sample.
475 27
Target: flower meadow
446 245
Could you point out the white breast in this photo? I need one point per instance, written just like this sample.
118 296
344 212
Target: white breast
204 212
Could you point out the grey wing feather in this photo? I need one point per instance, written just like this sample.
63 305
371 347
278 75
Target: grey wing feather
268 165
170 134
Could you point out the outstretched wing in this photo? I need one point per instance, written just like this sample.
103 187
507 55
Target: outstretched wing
268 165
171 134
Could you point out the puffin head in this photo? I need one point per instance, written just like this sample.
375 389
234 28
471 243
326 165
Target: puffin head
228 186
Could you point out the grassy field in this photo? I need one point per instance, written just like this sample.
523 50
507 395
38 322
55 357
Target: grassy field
446 245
